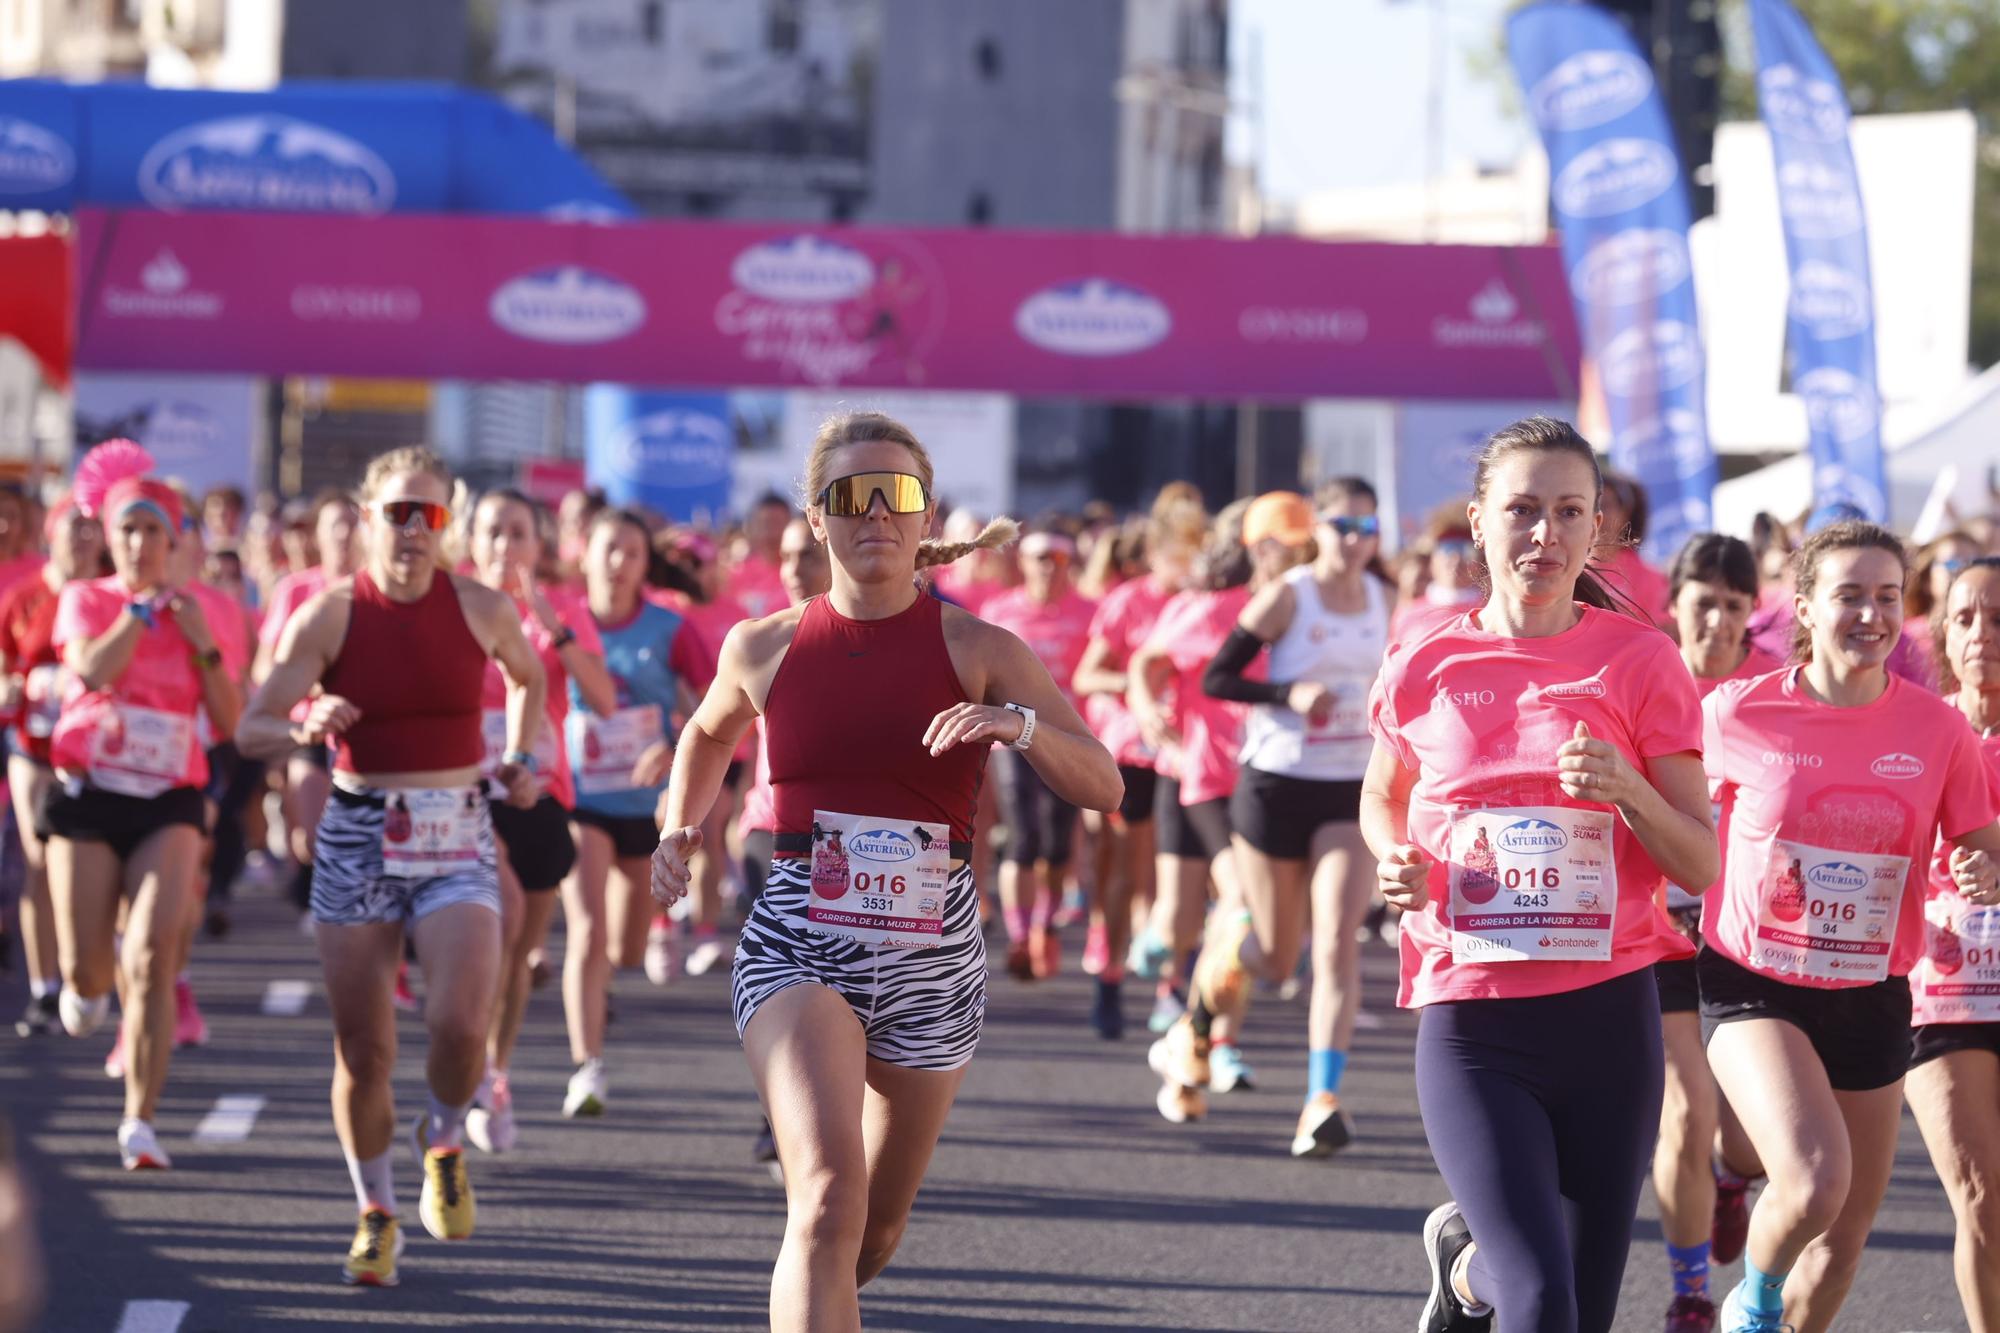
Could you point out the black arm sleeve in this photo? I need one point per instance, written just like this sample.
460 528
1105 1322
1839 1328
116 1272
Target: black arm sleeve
1224 677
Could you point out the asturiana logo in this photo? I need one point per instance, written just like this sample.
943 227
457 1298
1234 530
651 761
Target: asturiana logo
1664 354
1590 88
1897 766
1631 266
1589 688
32 159
1531 837
1613 176
1093 317
691 448
567 305
1677 434
1837 877
1820 201
881 845
1801 108
1828 299
804 270
265 162
1838 402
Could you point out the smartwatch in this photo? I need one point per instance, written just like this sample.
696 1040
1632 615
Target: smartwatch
1027 736
521 757
563 640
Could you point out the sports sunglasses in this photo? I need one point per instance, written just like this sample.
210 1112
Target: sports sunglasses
850 496
406 513
1354 525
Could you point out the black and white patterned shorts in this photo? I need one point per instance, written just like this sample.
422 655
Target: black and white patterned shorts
919 1008
349 888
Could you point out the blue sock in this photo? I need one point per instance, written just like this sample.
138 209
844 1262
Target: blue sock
1323 1071
1763 1293
1690 1267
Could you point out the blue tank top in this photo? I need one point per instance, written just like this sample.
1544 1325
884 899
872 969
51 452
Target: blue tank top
602 750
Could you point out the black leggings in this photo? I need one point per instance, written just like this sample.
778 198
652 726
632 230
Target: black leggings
1542 1114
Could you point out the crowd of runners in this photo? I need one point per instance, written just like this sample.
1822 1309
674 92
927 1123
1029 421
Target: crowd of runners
1691 874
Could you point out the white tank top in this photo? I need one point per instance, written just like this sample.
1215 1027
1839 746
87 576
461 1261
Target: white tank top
1342 652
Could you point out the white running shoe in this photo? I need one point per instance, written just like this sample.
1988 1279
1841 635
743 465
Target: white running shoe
140 1148
662 959
704 956
81 1017
588 1090
490 1122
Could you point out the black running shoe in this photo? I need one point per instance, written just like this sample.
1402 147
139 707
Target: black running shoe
1107 1014
1445 1238
40 1018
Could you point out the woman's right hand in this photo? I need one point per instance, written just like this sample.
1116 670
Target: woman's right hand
1311 701
1404 877
670 865
1159 733
327 717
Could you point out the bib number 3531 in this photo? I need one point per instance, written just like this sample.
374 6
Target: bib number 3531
878 881
1532 883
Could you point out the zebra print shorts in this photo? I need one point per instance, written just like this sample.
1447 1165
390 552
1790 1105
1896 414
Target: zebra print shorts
919 1008
349 888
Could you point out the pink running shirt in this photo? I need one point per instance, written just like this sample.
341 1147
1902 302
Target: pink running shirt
1057 632
114 734
1832 816
1123 620
287 596
757 587
1479 717
1190 630
551 755
1957 979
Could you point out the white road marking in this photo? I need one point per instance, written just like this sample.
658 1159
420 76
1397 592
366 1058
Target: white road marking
152 1316
230 1121
286 998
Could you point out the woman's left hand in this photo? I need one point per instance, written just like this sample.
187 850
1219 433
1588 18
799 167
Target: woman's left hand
1977 879
962 724
192 621
1593 770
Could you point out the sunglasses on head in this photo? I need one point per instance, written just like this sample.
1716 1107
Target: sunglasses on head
850 496
1953 563
1354 525
408 513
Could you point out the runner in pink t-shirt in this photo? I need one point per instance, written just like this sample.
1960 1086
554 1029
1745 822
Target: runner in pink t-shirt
755 582
1954 1081
1835 778
539 848
143 663
1049 615
1535 779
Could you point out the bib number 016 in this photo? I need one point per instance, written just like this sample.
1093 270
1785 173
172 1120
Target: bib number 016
867 883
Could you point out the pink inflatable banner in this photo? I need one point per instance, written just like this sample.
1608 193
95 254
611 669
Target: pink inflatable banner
684 303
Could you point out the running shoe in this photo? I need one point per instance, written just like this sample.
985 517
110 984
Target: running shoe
1731 1230
1096 951
490 1122
1445 1238
190 1028
1020 961
1324 1127
40 1018
1219 976
538 969
1228 1071
114 1063
81 1017
661 959
140 1149
1180 1056
1167 1010
1107 1012
1178 1105
378 1244
706 953
1691 1314
1074 908
404 998
1735 1317
1148 956
1045 952
766 1148
446 1205
588 1089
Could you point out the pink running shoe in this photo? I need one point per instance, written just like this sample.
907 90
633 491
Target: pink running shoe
1096 951
405 999
114 1063
190 1028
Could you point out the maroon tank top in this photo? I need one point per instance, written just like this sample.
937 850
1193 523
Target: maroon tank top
415 672
845 719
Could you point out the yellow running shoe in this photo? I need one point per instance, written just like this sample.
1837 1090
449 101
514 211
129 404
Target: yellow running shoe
446 1205
1220 977
378 1244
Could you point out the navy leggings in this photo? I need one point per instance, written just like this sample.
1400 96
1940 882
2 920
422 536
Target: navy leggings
1542 1114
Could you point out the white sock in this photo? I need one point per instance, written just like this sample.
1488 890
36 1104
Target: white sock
374 1181
1461 1284
43 987
447 1123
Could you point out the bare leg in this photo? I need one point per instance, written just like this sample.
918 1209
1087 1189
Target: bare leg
586 963
516 978
359 965
628 907
26 781
84 884
902 1116
458 948
1341 890
1956 1099
1826 1270
1682 1178
160 880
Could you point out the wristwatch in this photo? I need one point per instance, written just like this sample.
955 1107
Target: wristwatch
145 612
521 757
1027 736
563 639
210 659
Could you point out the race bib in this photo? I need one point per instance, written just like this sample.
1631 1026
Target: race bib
879 881
1827 914
140 751
1958 978
493 731
612 746
1532 883
431 831
41 692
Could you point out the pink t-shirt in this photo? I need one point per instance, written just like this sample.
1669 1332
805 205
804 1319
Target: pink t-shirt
551 755
1832 814
1057 632
1479 717
1123 620
13 571
287 596
1190 630
1957 978
137 735
757 587
713 622
1756 662
760 806
1772 627
1633 578
956 583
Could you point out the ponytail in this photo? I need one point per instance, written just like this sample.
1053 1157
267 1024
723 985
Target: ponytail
996 534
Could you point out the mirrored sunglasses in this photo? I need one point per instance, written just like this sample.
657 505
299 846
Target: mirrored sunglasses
1354 525
409 513
850 496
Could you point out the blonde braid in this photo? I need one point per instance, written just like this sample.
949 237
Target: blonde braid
996 534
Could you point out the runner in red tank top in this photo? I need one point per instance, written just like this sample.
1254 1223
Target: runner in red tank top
860 977
406 843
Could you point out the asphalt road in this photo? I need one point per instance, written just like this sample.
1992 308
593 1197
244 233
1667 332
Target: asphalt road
1058 1198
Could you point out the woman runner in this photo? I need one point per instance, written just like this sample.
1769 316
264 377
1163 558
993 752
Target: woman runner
1561 738
1835 778
880 703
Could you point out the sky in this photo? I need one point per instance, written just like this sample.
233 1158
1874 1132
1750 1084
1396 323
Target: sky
1346 90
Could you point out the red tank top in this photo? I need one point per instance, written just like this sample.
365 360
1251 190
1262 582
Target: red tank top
845 720
414 670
